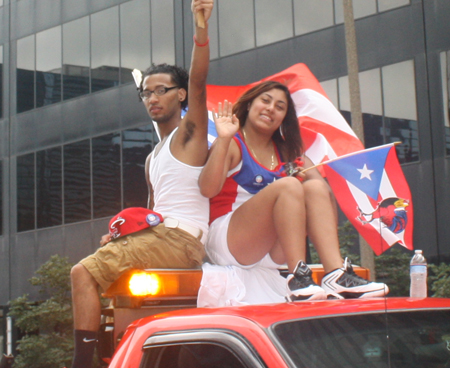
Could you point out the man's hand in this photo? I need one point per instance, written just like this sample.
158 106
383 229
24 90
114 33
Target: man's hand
105 239
203 7
227 124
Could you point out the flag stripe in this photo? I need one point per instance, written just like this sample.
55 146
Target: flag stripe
316 106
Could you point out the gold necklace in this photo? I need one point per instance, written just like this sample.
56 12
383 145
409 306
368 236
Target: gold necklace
272 164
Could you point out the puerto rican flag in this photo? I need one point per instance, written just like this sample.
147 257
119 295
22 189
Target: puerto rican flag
325 132
372 191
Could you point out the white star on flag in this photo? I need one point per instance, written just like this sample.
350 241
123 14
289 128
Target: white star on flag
365 172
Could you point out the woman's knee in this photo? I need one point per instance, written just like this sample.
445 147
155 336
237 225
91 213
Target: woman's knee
316 187
289 185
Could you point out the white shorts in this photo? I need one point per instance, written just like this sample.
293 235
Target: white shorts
217 246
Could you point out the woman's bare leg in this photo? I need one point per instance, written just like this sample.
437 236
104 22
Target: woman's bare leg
321 222
273 221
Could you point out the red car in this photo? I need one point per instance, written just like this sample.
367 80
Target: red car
378 333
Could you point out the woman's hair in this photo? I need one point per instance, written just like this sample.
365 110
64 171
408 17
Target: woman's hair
179 76
291 146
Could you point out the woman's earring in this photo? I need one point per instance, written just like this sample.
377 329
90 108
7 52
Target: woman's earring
281 132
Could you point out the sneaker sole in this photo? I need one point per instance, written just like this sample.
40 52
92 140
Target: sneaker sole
301 298
361 295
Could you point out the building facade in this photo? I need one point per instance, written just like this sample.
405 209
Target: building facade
74 136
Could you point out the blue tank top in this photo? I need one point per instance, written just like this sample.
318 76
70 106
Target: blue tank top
243 182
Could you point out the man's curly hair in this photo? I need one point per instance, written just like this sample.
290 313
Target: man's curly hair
179 76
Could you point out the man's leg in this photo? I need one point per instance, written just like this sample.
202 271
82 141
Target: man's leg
86 315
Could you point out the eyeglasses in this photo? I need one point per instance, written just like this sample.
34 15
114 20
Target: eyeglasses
159 91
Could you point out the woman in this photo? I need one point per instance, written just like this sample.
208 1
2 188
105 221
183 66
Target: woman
253 223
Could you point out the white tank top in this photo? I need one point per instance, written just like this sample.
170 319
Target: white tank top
175 189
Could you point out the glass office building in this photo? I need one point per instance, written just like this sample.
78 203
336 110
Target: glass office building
74 136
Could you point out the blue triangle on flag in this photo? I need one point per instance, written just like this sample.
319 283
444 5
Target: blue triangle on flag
364 170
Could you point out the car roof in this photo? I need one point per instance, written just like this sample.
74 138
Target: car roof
267 315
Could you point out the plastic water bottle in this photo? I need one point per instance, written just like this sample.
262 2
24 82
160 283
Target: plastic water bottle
418 274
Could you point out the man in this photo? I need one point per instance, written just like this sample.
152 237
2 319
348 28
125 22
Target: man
172 171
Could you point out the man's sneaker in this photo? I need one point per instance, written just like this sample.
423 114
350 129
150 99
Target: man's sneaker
345 283
300 285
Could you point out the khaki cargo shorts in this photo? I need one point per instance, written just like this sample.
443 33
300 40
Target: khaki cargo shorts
156 247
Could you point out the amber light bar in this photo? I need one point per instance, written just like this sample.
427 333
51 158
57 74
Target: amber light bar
172 283
156 283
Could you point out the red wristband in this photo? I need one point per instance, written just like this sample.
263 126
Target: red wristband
200 44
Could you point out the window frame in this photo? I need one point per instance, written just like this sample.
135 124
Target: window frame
228 339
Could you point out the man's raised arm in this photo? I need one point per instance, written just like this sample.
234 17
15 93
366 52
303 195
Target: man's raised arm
191 145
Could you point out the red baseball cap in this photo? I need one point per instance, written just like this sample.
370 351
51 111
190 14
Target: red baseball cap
131 220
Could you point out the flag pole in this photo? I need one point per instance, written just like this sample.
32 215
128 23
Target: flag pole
200 16
366 252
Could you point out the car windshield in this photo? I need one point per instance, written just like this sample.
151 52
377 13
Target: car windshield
394 340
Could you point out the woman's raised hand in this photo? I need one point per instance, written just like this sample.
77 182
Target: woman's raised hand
227 124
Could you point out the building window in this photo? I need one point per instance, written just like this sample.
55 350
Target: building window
1 81
445 79
269 29
400 109
39 69
1 198
275 21
105 49
230 25
162 31
371 105
388 102
106 183
83 56
384 5
54 185
25 73
134 38
48 67
361 8
99 51
77 181
49 187
137 143
364 8
93 53
312 15
25 192
76 58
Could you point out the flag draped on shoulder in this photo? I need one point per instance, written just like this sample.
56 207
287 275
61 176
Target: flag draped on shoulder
375 197
325 132
372 191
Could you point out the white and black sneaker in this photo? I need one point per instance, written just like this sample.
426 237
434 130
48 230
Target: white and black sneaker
344 283
300 285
